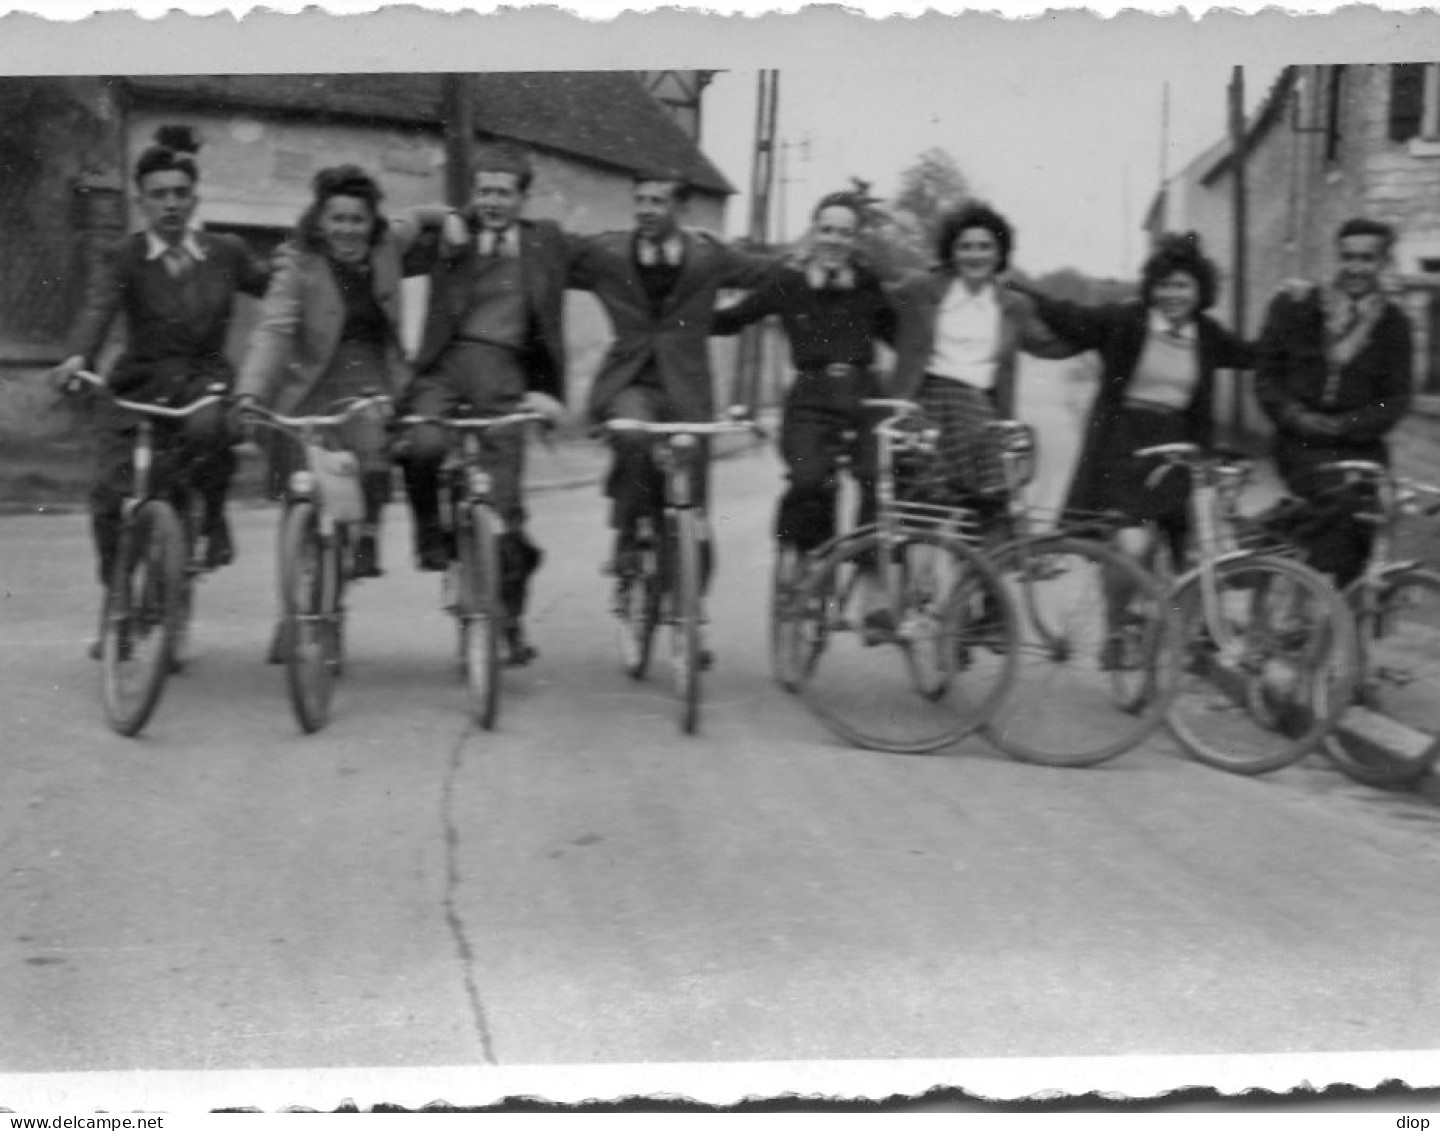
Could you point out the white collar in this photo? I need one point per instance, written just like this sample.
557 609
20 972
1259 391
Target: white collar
672 248
961 295
1159 324
155 247
816 274
504 243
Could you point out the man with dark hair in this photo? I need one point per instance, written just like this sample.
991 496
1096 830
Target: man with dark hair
176 286
658 283
1334 376
492 340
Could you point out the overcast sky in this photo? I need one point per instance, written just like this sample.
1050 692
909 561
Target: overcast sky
1068 150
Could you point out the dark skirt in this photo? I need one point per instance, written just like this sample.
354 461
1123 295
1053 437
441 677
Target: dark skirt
1113 479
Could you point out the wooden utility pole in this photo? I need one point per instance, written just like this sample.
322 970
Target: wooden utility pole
750 356
1240 230
458 115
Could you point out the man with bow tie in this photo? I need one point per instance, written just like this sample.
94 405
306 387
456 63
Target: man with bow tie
658 284
493 341
1334 376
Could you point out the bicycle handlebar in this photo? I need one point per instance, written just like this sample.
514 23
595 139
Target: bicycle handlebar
144 408
682 428
269 416
477 423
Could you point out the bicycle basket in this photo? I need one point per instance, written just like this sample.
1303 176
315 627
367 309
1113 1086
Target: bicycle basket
337 479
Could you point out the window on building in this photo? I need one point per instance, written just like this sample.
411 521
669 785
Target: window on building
1414 101
1430 265
1334 106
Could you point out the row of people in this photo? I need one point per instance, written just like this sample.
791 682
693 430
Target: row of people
330 327
1332 367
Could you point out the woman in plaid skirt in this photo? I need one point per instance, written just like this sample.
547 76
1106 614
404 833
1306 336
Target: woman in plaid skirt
956 344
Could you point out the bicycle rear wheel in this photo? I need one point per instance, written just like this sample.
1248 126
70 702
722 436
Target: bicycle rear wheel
142 615
682 569
479 612
310 591
1096 656
1391 735
918 669
1261 694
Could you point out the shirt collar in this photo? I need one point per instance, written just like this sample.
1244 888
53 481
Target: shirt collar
1159 324
505 242
672 248
840 278
961 295
155 247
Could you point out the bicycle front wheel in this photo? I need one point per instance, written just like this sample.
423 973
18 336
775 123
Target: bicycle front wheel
1095 652
310 592
784 621
142 615
904 641
1267 671
1391 735
480 613
683 549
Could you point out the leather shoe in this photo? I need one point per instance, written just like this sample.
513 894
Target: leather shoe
365 562
518 650
219 549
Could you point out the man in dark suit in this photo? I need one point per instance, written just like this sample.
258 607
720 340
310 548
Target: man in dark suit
1334 376
493 340
176 286
658 284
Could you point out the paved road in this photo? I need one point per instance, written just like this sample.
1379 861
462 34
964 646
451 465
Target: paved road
586 886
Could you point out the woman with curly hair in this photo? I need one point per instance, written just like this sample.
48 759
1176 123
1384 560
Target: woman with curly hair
957 342
1158 360
329 329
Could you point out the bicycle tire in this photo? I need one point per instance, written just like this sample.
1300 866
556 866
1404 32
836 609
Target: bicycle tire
1266 697
637 608
953 670
683 550
141 616
785 578
1399 653
1088 686
478 612
309 585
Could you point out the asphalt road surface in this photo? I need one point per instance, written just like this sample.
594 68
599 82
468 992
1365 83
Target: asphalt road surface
586 886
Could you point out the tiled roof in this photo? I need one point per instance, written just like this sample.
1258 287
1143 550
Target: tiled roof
602 116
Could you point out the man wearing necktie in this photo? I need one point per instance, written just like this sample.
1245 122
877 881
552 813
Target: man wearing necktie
658 284
176 286
492 341
1334 376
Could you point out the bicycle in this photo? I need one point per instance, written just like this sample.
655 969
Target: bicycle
145 620
660 580
790 563
1096 662
907 587
470 587
323 504
1390 734
1267 647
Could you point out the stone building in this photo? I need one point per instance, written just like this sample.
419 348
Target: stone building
1327 143
67 145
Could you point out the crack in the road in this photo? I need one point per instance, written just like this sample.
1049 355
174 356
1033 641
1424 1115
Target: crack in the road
463 950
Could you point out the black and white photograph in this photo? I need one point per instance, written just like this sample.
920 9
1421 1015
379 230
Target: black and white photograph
719 557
